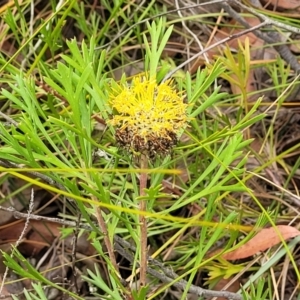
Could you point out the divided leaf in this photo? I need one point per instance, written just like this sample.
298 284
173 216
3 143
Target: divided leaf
265 239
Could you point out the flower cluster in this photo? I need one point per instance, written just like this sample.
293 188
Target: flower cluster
148 116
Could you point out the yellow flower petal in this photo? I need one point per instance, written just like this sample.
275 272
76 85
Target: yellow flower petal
148 116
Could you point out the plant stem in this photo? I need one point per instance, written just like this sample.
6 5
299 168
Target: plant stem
143 223
107 241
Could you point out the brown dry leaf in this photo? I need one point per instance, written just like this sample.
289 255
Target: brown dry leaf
83 245
5 291
171 187
250 87
256 144
40 234
283 4
7 188
173 47
256 43
12 285
12 231
295 47
230 30
265 239
234 287
129 70
37 235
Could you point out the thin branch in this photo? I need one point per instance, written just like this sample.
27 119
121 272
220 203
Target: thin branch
19 215
9 120
106 238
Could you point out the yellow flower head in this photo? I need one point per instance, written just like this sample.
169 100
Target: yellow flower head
148 116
